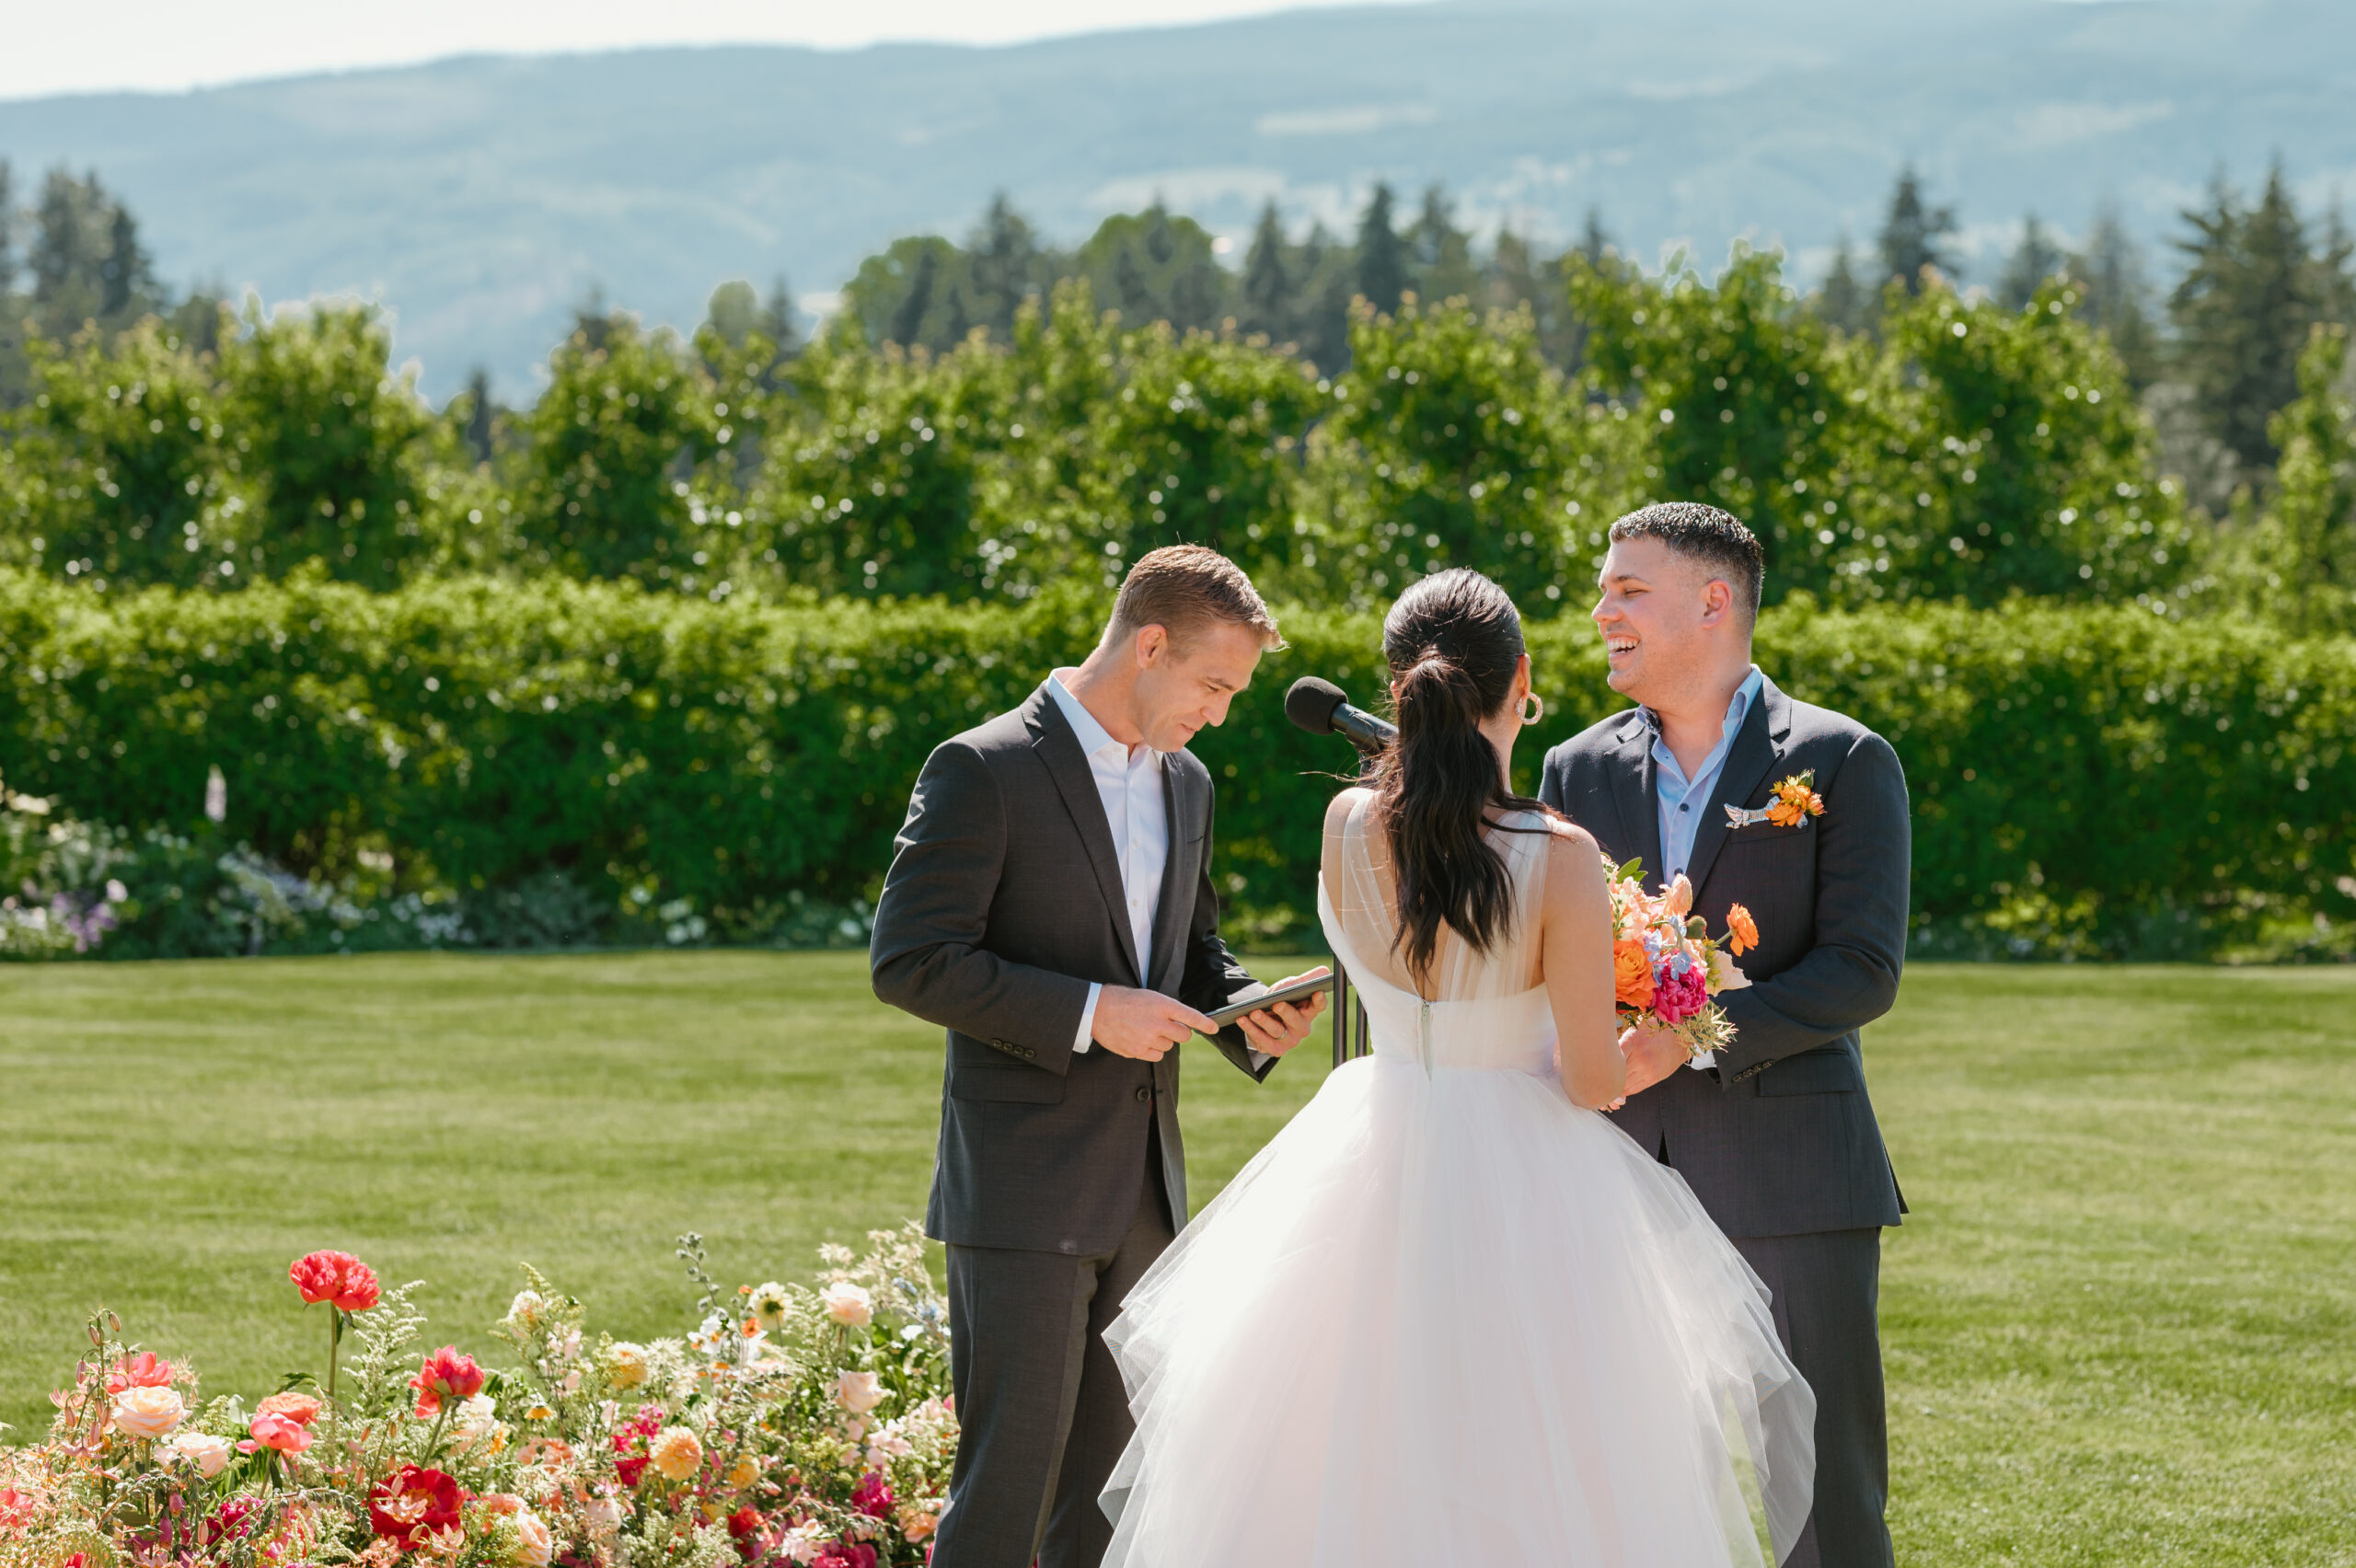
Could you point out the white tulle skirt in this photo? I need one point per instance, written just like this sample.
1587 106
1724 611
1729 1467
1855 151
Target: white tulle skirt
1452 1319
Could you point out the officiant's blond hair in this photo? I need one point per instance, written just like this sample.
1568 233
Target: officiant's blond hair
1184 588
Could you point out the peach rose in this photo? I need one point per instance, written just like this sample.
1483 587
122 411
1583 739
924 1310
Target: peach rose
859 1392
847 1304
1678 899
676 1452
148 1411
917 1520
209 1453
1631 975
534 1543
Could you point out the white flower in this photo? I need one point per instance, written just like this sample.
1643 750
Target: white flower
603 1515
713 1338
628 1368
859 1392
803 1541
474 1418
526 1308
209 1453
768 1305
1724 973
847 1304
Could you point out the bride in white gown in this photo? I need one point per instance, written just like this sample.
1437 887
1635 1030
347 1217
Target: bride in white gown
1451 1315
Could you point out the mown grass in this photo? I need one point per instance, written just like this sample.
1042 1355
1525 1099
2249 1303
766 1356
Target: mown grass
2121 1325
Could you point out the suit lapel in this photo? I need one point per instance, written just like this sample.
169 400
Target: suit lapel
1756 746
1630 770
1059 749
1182 802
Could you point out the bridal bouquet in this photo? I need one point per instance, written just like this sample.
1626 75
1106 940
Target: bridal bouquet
1665 965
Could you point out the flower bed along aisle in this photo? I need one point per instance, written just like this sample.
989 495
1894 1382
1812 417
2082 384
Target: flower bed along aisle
796 1424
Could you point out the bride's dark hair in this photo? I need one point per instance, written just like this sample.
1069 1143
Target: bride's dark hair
1453 641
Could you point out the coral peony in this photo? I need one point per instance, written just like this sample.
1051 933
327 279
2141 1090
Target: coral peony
209 1453
413 1506
1631 975
338 1277
676 1452
146 1410
141 1371
446 1375
300 1409
282 1433
847 1304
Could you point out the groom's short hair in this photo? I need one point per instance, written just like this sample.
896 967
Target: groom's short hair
1716 539
1184 588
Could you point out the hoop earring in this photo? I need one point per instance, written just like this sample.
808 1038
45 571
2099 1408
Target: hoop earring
1529 718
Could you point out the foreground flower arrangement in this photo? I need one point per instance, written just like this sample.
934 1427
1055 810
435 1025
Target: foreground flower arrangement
1665 965
796 1424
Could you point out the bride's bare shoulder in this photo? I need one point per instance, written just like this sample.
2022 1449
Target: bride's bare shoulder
1573 856
1337 813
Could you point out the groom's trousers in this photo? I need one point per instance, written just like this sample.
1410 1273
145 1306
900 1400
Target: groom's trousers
1827 1287
1042 1412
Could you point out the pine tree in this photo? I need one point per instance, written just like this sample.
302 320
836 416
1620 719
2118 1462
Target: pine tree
907 320
66 248
1004 265
1132 295
1910 237
7 230
781 320
2244 309
1328 278
479 435
1382 260
1843 301
2115 298
1440 254
1268 287
2036 259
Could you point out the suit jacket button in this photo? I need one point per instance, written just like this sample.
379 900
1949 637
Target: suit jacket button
1144 1094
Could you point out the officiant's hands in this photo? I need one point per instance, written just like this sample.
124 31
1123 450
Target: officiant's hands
1276 1030
1144 1025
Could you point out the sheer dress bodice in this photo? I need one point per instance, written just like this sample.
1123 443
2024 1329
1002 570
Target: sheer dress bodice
1483 1012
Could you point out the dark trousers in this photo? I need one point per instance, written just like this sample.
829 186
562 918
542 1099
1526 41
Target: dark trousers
1041 1411
1828 1290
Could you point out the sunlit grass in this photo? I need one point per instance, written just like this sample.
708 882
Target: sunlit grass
2121 1325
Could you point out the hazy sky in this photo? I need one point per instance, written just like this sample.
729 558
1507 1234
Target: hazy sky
170 44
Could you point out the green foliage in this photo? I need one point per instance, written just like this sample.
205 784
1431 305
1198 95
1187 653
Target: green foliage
610 480
119 470
336 447
2296 562
2101 782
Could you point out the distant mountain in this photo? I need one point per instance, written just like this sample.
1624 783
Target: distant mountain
482 198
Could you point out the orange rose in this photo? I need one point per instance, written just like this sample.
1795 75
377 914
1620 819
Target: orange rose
300 1409
1631 975
1742 933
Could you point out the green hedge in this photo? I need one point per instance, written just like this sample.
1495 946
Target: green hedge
2086 780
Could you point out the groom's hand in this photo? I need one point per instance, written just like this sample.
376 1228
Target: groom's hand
1143 1025
1276 1030
1652 1056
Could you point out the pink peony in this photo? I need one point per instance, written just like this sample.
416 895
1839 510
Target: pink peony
334 1276
873 1496
1679 997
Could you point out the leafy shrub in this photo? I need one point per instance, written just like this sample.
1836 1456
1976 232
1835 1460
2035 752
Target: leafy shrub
2089 781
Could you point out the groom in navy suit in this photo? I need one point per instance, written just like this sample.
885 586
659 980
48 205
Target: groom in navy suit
1774 1133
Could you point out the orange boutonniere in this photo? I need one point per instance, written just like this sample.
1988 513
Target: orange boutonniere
1742 932
1795 799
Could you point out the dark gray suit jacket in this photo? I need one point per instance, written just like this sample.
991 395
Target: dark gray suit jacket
1003 903
1781 1138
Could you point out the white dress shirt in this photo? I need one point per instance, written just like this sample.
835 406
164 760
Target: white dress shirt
1129 780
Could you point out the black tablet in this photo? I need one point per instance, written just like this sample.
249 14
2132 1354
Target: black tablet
1299 991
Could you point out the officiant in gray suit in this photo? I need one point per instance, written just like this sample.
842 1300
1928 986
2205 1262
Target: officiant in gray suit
1050 905
1774 1133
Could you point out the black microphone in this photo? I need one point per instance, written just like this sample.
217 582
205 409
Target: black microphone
1320 707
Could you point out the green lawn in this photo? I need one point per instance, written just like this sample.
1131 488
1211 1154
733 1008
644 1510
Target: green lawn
2121 1325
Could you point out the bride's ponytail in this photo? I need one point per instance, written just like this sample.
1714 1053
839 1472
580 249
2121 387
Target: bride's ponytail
1453 643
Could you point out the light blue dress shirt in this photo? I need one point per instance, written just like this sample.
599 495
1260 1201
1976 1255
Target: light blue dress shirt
1682 801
